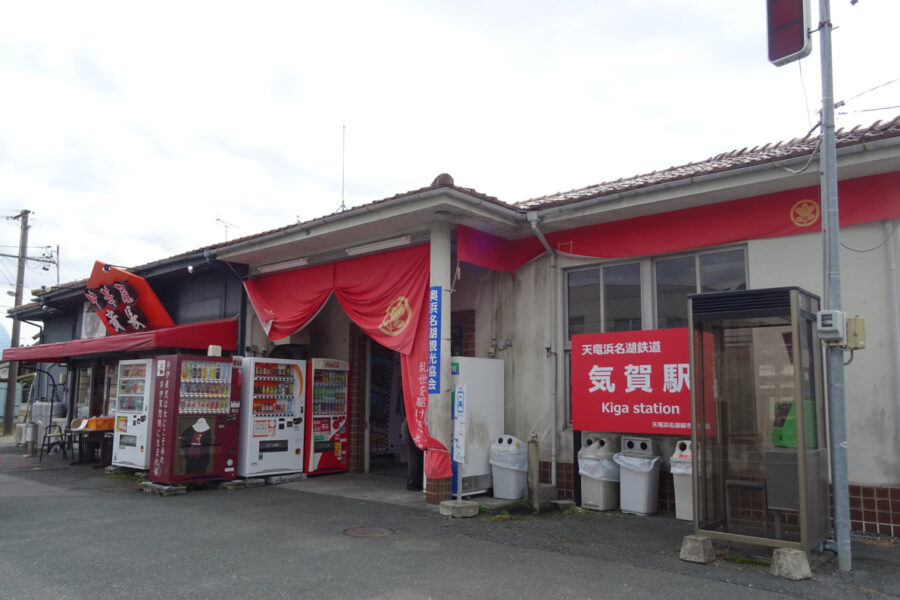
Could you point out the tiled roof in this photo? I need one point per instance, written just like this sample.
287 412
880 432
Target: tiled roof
770 153
442 181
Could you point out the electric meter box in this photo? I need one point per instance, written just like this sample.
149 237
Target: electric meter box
830 325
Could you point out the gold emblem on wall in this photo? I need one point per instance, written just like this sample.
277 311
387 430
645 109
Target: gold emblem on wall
804 213
396 317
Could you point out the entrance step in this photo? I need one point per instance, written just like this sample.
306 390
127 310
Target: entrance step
162 490
563 505
276 479
240 484
459 508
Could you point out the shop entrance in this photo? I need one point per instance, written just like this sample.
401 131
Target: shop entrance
385 445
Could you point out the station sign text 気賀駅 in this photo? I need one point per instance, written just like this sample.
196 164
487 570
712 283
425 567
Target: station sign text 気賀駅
632 382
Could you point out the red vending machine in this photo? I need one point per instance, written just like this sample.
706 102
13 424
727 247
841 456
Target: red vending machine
195 423
327 448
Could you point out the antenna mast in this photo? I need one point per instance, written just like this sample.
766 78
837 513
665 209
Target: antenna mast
343 163
226 224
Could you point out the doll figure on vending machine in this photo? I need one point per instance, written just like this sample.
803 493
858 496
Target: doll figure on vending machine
194 443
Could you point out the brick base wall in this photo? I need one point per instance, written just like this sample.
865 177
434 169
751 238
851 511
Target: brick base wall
565 484
875 510
438 490
356 399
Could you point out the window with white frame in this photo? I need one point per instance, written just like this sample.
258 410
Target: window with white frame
676 278
604 298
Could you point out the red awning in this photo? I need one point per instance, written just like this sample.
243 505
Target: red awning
195 336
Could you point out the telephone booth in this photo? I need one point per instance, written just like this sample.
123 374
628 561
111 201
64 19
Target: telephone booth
758 432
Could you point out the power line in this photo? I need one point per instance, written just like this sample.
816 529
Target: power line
886 83
865 110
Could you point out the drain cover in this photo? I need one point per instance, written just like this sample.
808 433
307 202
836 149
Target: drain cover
369 532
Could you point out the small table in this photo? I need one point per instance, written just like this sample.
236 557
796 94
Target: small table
90 444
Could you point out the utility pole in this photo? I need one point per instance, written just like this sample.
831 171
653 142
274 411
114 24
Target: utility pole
833 353
790 40
9 417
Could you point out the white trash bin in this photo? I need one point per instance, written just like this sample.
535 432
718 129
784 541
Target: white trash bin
639 463
509 467
599 473
31 437
680 466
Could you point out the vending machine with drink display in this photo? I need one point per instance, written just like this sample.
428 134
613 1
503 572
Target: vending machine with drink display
195 419
272 417
134 403
327 449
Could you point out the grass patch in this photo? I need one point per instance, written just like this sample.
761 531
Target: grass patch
576 510
517 505
500 516
747 560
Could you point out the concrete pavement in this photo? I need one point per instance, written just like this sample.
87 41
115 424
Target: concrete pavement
72 531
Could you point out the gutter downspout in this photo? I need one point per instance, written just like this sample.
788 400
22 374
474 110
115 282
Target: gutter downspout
891 248
551 349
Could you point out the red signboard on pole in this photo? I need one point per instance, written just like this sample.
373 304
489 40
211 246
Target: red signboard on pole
632 382
788 29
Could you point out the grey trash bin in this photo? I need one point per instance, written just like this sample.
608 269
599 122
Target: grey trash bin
639 463
509 467
680 466
599 473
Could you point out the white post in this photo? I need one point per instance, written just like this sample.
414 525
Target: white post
439 405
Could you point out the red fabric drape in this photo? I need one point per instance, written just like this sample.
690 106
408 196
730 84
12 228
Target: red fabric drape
284 306
381 294
862 200
387 296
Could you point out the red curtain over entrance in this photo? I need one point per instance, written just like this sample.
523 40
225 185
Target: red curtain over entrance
386 295
282 305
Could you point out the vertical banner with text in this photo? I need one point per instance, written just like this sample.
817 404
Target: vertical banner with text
632 382
434 340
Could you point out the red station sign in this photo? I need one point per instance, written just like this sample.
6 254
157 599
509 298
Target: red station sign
632 382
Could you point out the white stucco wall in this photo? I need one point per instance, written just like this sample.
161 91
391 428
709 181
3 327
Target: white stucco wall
255 335
871 402
511 315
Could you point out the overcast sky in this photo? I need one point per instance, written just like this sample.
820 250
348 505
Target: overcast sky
137 131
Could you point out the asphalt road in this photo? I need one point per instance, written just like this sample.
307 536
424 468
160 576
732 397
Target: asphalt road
74 532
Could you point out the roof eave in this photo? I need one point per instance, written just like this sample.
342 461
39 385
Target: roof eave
729 184
419 209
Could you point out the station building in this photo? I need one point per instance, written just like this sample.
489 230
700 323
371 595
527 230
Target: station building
515 282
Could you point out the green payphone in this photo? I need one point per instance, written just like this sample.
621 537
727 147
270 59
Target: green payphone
784 427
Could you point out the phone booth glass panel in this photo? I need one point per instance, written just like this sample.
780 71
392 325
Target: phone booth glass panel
757 374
